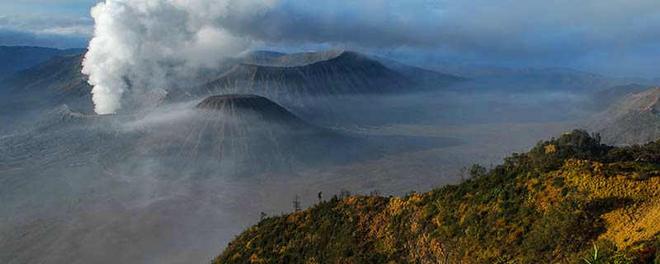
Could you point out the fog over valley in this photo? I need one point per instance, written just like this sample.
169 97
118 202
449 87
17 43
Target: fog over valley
181 124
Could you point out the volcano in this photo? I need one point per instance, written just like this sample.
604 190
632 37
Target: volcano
52 83
237 105
321 73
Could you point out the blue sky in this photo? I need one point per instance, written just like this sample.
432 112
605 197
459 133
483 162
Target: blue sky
617 37
53 23
54 7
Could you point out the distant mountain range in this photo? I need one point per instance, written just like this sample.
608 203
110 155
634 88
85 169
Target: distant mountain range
322 73
54 78
535 79
55 82
270 73
633 119
55 74
16 58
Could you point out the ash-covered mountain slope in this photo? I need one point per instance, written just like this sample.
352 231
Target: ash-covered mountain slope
47 85
237 105
258 129
634 119
516 80
322 73
286 135
17 58
202 136
219 131
33 92
603 99
419 75
278 59
423 77
175 173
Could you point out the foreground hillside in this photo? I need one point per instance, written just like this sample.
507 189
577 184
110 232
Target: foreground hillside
568 200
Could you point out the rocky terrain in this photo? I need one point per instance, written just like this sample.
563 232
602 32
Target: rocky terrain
633 119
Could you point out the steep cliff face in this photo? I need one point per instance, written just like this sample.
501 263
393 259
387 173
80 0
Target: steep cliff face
553 204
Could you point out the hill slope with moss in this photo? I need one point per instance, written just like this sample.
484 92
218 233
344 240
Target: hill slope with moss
568 200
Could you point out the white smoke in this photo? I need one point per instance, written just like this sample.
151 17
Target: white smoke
145 45
141 47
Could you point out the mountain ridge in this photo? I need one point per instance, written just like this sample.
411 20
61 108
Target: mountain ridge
17 58
328 72
633 119
45 86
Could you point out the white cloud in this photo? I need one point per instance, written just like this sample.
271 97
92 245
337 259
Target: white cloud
50 25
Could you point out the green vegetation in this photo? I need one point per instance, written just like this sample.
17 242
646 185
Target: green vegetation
568 200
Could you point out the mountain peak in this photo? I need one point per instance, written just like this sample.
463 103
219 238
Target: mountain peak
221 102
330 72
276 59
240 104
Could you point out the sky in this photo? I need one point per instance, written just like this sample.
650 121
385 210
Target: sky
613 37
50 23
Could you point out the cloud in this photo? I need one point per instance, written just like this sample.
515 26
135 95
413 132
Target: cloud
587 35
48 31
520 28
507 30
22 38
146 45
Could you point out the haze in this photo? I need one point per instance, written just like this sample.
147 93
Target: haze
155 131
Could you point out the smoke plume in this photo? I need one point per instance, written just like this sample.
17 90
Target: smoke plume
141 46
